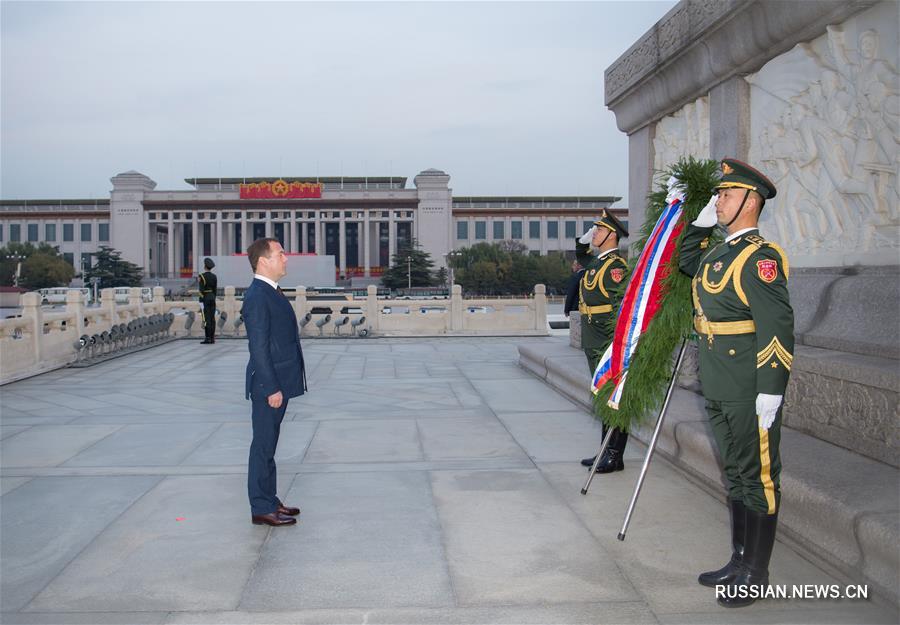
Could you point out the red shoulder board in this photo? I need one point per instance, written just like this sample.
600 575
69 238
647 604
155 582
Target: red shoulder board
617 274
767 270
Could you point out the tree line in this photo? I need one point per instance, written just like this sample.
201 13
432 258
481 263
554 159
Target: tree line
501 268
43 266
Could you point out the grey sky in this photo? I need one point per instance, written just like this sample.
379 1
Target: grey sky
505 97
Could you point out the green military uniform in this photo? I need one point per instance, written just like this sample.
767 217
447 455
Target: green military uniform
745 324
598 304
603 274
208 287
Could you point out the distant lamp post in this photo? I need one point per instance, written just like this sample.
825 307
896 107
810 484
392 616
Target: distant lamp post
409 272
17 258
452 255
84 281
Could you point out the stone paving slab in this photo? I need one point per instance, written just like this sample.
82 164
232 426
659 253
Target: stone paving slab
144 445
49 521
555 436
441 486
148 560
511 540
364 539
85 618
10 483
50 445
382 440
520 396
466 438
622 613
8 430
230 443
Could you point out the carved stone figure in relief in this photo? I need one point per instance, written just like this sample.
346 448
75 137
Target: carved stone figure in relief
685 132
832 144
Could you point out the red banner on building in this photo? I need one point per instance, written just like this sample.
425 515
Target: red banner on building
280 190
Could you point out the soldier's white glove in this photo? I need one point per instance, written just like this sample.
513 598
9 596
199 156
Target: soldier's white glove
767 408
707 217
588 236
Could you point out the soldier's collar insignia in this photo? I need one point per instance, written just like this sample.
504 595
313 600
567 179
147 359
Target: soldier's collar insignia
717 266
734 241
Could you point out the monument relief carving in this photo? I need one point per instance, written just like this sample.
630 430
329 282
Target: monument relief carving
825 119
684 133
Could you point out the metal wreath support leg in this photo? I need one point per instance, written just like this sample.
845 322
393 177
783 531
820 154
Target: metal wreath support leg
603 447
652 447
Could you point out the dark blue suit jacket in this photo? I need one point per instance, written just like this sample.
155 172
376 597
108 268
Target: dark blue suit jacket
276 359
572 292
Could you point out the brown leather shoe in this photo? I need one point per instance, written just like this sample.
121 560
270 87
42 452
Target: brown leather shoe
288 510
273 518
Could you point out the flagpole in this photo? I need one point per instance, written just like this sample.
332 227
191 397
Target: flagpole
652 447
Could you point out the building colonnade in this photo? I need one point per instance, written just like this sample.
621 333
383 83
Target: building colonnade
362 240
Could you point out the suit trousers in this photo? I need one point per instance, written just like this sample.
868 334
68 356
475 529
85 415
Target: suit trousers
262 483
750 457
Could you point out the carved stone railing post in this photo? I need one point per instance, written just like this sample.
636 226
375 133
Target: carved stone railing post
540 307
457 307
135 300
108 305
372 316
231 308
159 299
31 310
75 306
300 301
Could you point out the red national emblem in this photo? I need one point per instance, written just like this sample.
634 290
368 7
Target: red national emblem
617 274
767 269
280 188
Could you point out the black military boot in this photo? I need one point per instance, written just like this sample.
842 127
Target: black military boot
589 462
612 458
753 574
727 573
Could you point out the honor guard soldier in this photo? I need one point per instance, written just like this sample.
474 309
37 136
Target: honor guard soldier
603 275
208 288
745 324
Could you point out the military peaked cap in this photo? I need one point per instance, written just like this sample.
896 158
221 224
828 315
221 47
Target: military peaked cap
208 263
608 220
738 174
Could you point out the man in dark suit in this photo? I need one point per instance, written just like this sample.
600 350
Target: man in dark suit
275 373
572 288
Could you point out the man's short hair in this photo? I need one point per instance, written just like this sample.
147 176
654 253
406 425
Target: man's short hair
258 248
761 201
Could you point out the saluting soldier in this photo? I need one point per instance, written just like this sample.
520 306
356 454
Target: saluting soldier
745 324
604 272
208 288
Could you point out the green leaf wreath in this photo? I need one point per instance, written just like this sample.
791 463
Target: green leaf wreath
652 363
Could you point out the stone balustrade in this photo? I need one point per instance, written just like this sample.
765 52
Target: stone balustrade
42 340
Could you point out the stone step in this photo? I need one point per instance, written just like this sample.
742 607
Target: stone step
840 509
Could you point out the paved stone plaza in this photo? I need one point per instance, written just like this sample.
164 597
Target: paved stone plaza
439 483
